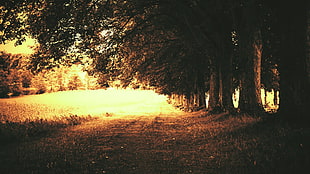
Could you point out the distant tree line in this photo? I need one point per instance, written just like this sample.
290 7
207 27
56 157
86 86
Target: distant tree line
182 48
13 77
17 78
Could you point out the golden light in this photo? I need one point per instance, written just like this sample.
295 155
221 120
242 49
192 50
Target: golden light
25 48
267 99
105 103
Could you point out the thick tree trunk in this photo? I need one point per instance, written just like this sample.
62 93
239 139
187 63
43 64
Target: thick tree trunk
294 78
251 49
308 42
227 78
214 105
250 43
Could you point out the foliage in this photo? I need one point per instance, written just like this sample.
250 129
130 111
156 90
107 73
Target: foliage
4 86
40 83
63 78
13 75
74 83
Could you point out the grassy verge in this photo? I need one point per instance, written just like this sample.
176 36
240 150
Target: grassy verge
259 145
16 131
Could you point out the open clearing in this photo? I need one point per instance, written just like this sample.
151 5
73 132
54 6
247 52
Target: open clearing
91 102
148 136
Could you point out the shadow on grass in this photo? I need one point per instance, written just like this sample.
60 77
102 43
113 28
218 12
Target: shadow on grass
270 145
12 132
192 144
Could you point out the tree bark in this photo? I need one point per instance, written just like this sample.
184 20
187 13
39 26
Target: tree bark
294 73
250 95
214 105
250 43
275 97
265 98
227 77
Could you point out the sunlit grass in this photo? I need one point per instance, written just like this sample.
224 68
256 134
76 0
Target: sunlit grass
90 102
32 115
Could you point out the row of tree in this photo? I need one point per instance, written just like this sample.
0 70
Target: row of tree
183 48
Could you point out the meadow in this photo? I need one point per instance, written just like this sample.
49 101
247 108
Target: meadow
32 115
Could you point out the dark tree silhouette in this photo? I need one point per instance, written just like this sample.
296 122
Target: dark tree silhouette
294 72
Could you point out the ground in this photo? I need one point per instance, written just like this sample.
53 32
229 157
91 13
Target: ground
165 142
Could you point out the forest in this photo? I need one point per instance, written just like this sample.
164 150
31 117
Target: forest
185 49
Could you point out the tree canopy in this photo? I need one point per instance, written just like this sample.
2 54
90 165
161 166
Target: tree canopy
182 48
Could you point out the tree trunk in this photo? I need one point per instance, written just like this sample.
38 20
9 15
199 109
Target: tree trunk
275 97
265 98
294 78
197 95
215 105
193 100
227 78
250 95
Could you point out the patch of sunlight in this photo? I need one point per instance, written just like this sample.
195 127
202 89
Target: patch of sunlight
102 102
25 48
235 97
268 99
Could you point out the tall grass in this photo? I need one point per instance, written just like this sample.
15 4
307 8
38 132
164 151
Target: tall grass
20 121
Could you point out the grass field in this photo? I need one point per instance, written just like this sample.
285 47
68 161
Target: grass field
32 115
91 102
67 135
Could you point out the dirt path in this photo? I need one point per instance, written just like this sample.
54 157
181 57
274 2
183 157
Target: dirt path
162 144
137 145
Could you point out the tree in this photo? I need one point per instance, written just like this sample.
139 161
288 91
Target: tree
163 53
294 72
250 51
13 76
182 48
